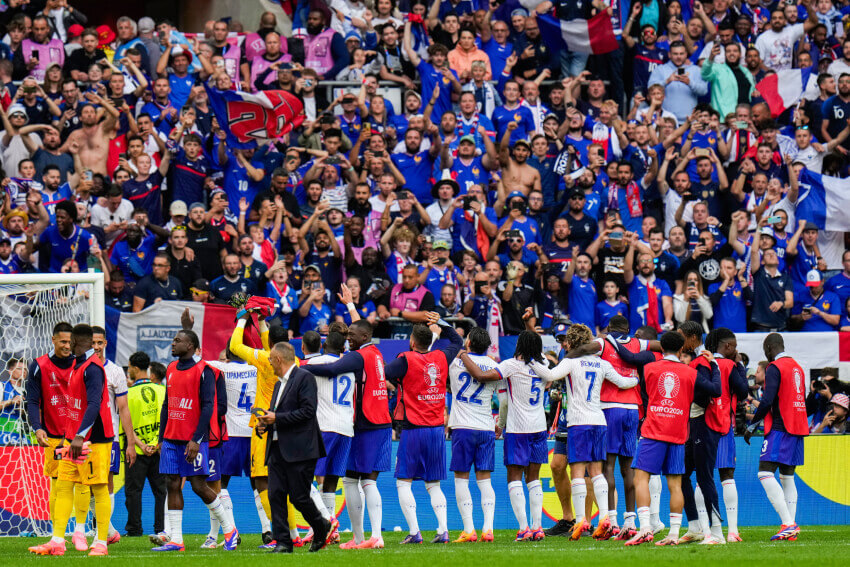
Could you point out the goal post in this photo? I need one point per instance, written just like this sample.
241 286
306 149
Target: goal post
30 306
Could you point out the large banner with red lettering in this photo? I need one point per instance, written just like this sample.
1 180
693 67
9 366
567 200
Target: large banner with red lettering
250 119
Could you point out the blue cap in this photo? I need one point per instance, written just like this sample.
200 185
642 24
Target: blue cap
354 34
560 329
519 12
514 194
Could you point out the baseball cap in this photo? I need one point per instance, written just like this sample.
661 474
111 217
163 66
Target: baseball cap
520 12
411 92
560 329
524 142
467 138
838 399
146 25
440 245
578 193
5 240
201 285
196 204
767 231
75 30
809 224
178 208
314 267
353 34
813 278
515 194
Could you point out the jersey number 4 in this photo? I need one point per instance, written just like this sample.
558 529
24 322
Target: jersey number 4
246 402
467 382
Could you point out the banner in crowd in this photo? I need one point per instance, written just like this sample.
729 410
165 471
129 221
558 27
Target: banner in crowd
153 329
251 118
824 201
595 35
784 89
823 493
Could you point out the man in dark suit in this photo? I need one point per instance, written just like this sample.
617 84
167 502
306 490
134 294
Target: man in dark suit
295 444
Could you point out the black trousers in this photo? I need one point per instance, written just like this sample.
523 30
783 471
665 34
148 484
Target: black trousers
145 467
291 479
701 456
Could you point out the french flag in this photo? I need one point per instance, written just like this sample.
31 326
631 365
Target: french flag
784 89
595 35
824 201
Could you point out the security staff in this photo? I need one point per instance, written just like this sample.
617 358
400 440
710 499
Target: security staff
144 399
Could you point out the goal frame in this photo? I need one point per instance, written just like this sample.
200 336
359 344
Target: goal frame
97 303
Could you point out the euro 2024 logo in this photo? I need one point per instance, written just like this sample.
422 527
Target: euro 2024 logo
668 387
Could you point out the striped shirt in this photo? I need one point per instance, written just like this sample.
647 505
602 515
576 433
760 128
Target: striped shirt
335 411
240 379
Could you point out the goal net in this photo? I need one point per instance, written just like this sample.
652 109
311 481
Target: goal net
30 306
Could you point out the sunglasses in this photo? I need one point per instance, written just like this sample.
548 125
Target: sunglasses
196 291
181 227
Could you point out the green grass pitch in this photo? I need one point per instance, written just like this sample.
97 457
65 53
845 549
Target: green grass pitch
821 545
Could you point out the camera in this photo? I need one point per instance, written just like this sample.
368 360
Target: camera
517 206
692 285
774 220
616 235
702 241
404 195
680 71
689 197
333 160
440 261
514 233
466 203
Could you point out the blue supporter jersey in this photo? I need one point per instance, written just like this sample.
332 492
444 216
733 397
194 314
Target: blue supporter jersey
416 170
436 279
187 177
340 310
827 302
730 311
431 77
639 301
316 318
498 54
147 195
237 184
134 263
59 248
470 174
503 116
801 265
583 301
839 284
181 87
464 235
646 59
63 193
605 310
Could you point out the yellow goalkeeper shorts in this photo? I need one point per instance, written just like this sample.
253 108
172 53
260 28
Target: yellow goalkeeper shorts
258 455
94 470
51 463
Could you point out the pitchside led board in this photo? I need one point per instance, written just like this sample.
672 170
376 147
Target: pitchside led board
823 494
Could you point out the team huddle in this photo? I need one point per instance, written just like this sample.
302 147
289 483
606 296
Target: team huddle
658 407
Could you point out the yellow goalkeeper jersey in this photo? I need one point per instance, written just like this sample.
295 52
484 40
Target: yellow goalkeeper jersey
266 378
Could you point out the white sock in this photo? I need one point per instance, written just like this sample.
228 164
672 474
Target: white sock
175 524
488 503
112 529
643 519
789 487
655 499
214 525
265 524
438 503
535 502
579 491
217 509
776 496
228 505
408 505
716 525
316 497
375 505
675 524
730 500
517 496
354 504
329 500
702 512
464 503
628 520
600 491
293 533
166 525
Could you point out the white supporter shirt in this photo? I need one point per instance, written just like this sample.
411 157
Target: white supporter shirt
584 381
471 399
116 383
240 380
335 411
525 397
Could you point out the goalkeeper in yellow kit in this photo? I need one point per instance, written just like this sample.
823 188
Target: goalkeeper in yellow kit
266 380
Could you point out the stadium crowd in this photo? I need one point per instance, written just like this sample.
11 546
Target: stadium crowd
512 183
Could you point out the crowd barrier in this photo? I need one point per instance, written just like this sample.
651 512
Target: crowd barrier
823 494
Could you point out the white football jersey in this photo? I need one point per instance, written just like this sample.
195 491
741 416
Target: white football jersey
471 399
240 380
116 383
584 377
336 399
525 397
